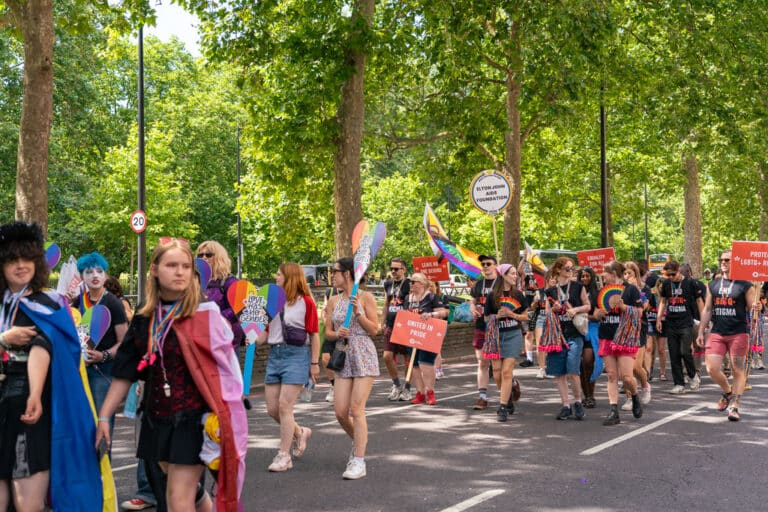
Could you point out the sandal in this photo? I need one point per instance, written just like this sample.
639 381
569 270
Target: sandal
663 376
725 401
733 414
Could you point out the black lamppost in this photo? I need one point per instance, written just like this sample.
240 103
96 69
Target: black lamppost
142 252
603 178
239 223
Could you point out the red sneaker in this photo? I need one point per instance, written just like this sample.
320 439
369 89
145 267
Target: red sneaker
419 398
431 400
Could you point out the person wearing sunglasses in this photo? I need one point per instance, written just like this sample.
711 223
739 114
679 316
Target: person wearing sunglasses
567 298
727 304
396 291
354 382
218 259
679 296
479 293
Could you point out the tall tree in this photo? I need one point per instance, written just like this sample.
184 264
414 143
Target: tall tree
34 20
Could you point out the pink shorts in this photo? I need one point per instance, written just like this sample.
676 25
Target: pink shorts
735 344
608 348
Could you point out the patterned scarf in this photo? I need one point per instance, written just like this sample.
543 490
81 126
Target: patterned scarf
552 339
627 337
492 345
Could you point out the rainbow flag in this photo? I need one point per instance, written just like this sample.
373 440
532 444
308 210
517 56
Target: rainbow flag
463 259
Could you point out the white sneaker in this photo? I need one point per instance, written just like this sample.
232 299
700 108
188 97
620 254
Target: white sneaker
542 373
677 390
439 373
645 395
394 393
355 470
695 383
627 406
329 396
759 364
405 395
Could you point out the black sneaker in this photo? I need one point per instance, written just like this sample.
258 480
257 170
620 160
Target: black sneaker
613 417
565 413
526 363
637 406
578 411
511 406
501 414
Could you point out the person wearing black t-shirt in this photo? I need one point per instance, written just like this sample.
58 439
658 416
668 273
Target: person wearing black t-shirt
479 294
396 290
99 358
568 298
727 304
679 297
698 352
509 306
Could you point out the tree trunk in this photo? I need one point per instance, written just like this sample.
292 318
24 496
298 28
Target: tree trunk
510 250
34 19
762 196
513 141
692 223
347 189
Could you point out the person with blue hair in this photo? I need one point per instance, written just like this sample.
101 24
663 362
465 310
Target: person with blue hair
98 356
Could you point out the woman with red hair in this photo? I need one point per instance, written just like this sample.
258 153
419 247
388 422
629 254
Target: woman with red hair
294 353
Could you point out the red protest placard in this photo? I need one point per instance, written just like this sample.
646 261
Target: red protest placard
413 331
432 268
596 258
749 261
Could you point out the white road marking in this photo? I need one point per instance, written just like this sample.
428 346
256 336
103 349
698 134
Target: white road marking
393 410
642 430
471 502
123 468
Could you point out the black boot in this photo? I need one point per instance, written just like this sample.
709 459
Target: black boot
637 406
613 416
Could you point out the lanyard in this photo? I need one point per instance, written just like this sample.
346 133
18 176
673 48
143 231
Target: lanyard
159 328
85 302
9 316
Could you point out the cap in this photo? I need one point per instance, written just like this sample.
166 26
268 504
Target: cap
486 257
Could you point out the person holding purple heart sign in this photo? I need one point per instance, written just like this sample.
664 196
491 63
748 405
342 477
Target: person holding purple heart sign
100 353
213 253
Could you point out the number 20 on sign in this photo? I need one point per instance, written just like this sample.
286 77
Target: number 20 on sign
138 221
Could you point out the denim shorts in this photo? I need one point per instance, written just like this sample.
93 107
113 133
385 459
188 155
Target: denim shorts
511 343
287 364
566 361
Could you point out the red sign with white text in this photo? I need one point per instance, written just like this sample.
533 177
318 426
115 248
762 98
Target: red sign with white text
413 331
749 261
596 258
430 267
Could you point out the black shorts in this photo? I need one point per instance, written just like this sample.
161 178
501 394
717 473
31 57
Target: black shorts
328 346
176 439
24 449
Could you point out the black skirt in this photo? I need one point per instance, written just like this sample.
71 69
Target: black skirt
175 439
24 449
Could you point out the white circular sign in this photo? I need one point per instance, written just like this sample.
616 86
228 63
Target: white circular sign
490 192
138 221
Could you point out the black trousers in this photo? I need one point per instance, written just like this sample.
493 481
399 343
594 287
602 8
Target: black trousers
680 353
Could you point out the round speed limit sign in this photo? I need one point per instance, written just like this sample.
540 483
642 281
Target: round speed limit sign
138 221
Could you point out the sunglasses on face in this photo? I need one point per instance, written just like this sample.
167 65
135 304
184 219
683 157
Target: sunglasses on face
334 270
487 263
725 260
205 255
396 269
568 269
670 274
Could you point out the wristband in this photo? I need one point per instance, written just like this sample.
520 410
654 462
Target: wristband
315 364
103 419
107 356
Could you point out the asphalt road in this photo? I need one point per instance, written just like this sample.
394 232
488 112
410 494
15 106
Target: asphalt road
681 455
